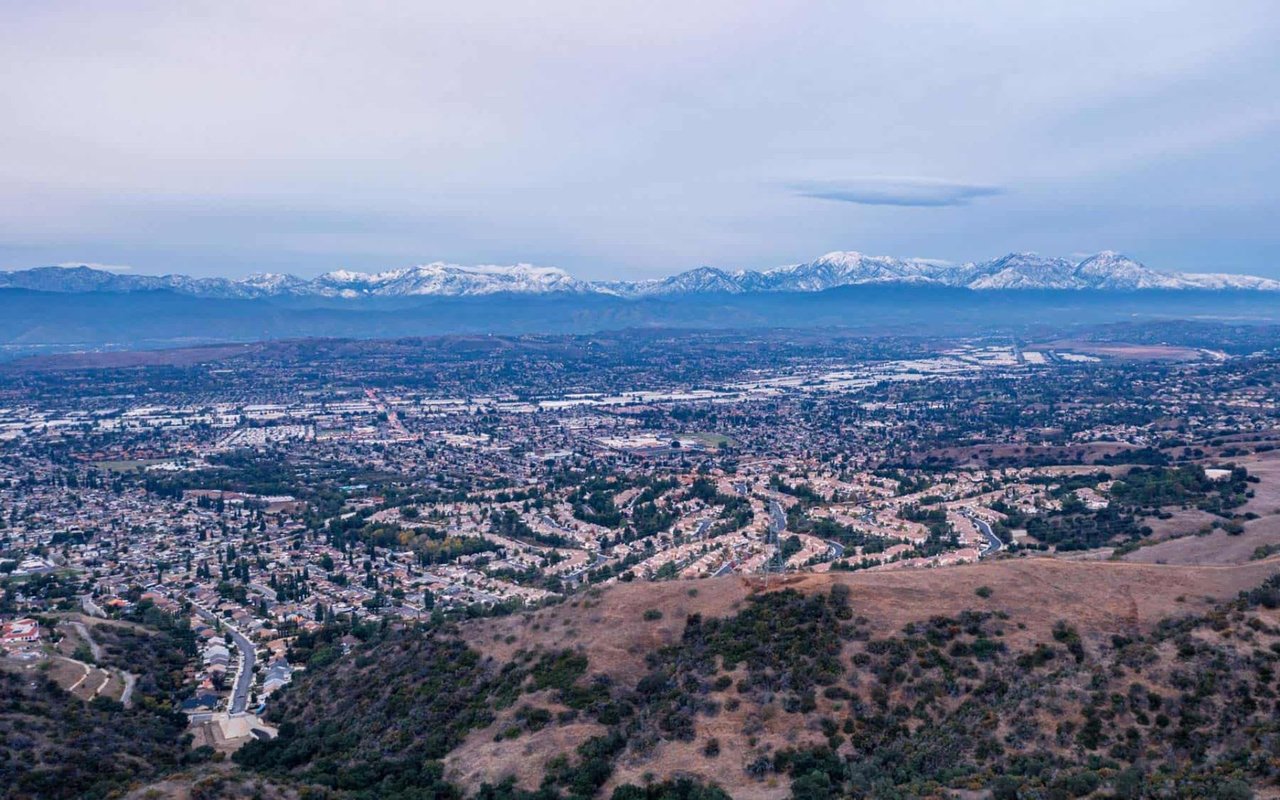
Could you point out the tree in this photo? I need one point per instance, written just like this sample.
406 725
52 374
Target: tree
1005 788
815 785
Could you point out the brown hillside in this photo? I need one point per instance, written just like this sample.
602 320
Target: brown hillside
1098 598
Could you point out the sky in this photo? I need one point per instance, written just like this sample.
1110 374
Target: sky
632 140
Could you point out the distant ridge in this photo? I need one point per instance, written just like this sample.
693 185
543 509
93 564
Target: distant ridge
1105 271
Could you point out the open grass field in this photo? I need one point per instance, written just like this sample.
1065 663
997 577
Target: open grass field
713 439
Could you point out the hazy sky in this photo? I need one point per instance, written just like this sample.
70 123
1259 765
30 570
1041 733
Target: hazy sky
635 139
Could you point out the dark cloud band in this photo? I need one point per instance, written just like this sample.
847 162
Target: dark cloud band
896 192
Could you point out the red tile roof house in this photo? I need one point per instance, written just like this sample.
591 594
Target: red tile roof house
20 630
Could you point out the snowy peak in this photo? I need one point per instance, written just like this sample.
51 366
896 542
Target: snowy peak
272 283
453 280
1111 270
1219 281
844 269
1104 271
1016 271
701 280
1025 271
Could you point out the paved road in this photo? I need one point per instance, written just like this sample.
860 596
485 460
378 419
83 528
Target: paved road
551 523
244 678
777 518
91 608
265 590
993 544
580 572
836 548
777 525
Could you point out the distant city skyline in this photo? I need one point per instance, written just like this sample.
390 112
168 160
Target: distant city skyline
636 141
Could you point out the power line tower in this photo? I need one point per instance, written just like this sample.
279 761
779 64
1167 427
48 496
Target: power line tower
771 540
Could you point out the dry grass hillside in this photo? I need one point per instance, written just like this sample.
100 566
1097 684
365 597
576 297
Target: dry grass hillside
1219 547
1098 597
619 629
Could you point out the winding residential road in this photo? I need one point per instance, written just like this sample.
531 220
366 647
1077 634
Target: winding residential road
993 544
244 678
777 518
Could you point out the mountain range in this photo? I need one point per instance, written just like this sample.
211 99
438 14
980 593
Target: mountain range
1016 271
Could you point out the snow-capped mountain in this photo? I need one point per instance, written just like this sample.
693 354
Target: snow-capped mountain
1025 271
1220 281
451 280
271 283
86 279
843 269
702 280
1111 270
1105 271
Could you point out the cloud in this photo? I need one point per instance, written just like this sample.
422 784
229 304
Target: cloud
95 265
923 192
626 139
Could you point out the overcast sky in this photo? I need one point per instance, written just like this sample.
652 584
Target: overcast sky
635 139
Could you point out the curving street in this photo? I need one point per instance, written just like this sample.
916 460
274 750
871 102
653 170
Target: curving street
993 545
244 677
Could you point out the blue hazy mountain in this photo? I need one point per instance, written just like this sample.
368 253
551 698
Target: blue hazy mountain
1107 271
41 321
